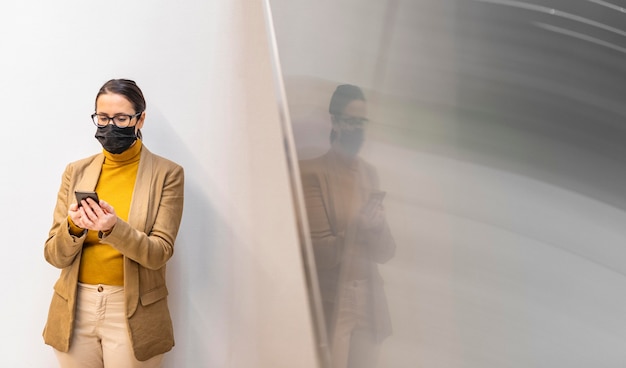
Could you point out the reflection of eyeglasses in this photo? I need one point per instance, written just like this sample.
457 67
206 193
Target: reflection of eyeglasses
120 120
353 121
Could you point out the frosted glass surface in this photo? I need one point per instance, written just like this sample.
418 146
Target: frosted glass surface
497 131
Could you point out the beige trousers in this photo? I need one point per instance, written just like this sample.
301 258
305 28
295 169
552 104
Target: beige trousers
354 345
101 338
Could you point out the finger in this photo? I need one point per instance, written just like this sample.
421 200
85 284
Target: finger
75 219
79 222
93 204
371 213
87 211
368 210
83 215
107 207
95 207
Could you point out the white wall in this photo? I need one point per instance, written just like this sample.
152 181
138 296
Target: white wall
237 290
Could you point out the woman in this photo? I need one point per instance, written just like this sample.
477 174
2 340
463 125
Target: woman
109 307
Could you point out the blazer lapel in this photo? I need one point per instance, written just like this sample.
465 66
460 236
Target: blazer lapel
327 193
91 174
137 217
138 213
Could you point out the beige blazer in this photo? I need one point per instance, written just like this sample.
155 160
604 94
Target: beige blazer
146 241
329 224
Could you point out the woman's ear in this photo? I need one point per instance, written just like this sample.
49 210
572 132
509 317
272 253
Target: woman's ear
139 124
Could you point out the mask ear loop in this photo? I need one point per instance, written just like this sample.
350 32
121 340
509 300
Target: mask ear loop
138 134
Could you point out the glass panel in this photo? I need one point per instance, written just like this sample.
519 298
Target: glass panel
477 219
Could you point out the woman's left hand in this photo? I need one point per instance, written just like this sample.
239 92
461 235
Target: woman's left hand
96 216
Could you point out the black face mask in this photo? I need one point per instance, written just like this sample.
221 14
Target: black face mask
351 140
116 140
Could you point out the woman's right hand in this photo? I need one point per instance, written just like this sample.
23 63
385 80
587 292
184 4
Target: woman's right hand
371 218
74 213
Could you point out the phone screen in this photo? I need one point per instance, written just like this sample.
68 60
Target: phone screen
84 195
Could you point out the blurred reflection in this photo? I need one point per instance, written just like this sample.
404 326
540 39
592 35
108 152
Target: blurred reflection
498 134
350 235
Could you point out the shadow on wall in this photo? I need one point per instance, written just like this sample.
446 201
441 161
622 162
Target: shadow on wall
199 276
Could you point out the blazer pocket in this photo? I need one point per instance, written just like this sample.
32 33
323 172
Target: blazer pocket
153 295
61 290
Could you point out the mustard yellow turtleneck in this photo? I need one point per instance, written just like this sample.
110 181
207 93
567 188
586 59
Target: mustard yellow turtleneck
101 263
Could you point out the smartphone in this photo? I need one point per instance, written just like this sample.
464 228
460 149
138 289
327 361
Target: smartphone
84 195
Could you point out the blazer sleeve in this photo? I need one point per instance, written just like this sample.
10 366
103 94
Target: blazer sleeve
154 247
61 247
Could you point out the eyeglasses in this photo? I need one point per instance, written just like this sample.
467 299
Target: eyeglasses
353 121
120 120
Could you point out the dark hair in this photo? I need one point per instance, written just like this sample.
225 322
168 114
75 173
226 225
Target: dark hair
343 95
126 88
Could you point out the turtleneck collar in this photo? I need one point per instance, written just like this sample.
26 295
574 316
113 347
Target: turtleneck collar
344 160
131 154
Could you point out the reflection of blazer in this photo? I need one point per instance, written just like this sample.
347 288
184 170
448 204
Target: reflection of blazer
329 221
146 241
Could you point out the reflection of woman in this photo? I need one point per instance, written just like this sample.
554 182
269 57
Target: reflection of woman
350 236
109 307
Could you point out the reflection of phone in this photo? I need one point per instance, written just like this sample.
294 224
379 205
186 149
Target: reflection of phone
84 195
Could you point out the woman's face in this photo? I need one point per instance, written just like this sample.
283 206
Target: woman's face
112 104
350 127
